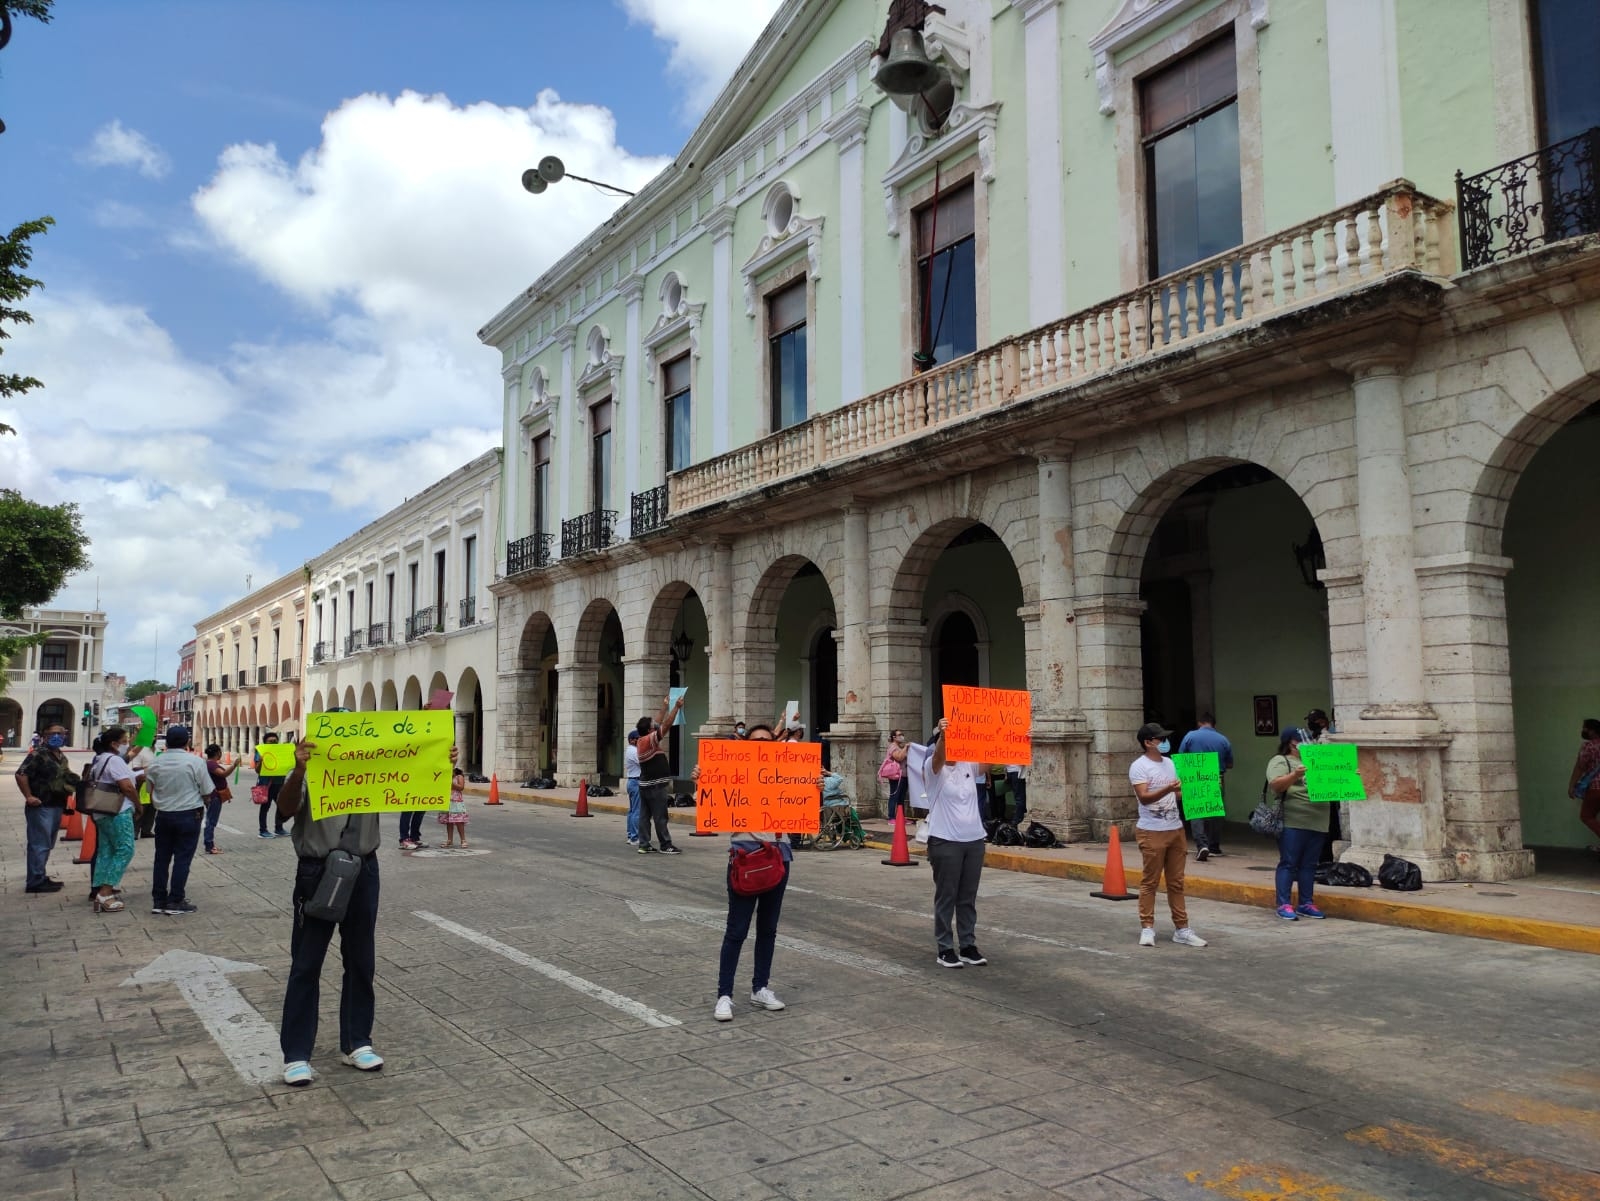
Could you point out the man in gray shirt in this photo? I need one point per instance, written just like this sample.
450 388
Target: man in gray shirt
314 839
179 784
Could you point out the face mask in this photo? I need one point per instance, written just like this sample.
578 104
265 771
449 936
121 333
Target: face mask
739 730
123 750
56 741
1164 747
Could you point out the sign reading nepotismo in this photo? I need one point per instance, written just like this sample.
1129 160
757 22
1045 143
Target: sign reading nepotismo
379 762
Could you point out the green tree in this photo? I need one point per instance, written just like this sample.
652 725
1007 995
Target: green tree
15 255
137 692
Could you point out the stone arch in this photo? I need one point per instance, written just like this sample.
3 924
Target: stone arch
411 695
349 696
369 698
389 699
657 636
273 712
761 615
914 532
530 650
924 550
1519 442
591 625
438 684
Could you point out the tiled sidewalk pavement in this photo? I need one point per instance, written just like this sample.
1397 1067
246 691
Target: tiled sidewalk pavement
1091 1076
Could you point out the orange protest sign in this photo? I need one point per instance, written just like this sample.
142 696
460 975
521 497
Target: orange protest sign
758 788
988 725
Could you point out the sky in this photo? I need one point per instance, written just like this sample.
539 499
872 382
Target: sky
278 228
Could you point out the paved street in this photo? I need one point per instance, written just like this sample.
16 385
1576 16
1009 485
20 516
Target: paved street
545 1007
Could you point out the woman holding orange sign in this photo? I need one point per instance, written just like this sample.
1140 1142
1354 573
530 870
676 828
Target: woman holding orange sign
956 839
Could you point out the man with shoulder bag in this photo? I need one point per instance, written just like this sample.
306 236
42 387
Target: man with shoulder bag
45 781
335 888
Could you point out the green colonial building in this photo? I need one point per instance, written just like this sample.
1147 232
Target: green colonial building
1146 354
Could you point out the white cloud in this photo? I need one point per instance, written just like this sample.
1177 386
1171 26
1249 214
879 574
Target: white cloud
708 39
115 145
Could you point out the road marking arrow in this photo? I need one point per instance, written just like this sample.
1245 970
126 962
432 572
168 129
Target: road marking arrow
713 919
250 1044
588 988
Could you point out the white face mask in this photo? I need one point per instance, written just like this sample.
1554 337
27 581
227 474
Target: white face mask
1164 747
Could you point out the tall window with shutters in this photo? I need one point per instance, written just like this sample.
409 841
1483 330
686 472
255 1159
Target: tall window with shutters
600 455
947 279
786 355
677 423
541 484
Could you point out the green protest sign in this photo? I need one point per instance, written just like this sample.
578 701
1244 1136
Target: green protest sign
277 758
1331 773
1201 777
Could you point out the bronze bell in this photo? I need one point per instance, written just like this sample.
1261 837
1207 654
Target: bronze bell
908 71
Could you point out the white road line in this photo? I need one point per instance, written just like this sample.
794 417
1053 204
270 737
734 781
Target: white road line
712 919
229 830
588 988
987 927
245 1037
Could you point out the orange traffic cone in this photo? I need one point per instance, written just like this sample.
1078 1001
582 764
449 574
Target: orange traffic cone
494 790
72 828
1113 886
899 851
91 835
583 800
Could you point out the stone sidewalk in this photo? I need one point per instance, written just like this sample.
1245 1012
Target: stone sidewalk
1560 910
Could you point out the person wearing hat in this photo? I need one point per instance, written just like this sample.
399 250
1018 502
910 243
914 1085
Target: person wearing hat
1159 833
179 784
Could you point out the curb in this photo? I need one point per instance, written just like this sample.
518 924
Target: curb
1526 931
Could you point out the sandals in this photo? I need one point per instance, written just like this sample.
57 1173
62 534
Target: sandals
108 905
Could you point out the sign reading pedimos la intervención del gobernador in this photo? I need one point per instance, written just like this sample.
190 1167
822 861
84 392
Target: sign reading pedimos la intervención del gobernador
758 787
379 762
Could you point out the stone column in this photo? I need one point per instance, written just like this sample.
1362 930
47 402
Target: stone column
896 647
753 672
1112 682
520 702
645 682
855 738
722 677
576 718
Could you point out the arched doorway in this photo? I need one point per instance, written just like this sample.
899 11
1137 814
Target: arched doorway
1234 614
527 745
1555 658
469 721
591 684
411 697
972 633
56 712
792 608
11 724
388 699
674 656
369 699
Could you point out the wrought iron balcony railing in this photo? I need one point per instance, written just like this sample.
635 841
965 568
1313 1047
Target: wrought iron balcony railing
1544 197
587 531
423 621
469 611
354 641
211 685
528 554
261 675
289 670
225 687
319 653
378 634
649 511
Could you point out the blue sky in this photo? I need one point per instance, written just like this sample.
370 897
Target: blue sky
279 226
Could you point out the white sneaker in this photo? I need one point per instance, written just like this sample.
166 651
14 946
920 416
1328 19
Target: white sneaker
724 1010
766 999
1187 938
1147 937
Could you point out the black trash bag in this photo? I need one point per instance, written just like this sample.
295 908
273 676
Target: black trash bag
541 782
684 800
1400 874
1039 835
1344 875
600 790
474 778
990 825
1006 835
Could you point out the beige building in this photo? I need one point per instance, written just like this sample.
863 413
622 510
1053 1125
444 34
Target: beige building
58 681
247 671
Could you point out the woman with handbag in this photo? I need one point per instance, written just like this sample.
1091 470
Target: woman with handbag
755 861
111 799
218 798
893 770
1305 825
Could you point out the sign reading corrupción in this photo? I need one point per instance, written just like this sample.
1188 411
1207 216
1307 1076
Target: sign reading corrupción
758 788
379 762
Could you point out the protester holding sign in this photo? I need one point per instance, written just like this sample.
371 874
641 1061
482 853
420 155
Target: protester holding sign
956 840
270 771
1305 825
655 773
350 829
1159 832
1206 826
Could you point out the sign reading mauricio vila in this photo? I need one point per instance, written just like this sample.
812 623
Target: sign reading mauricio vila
379 762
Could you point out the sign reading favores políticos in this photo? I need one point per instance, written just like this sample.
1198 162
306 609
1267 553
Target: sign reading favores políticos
758 788
988 725
379 762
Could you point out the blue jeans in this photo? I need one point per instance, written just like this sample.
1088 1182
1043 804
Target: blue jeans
898 790
308 947
633 810
213 815
1297 862
44 823
177 836
274 784
766 909
1019 790
411 825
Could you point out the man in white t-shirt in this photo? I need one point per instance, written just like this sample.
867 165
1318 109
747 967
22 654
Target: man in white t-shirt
1160 835
630 771
955 850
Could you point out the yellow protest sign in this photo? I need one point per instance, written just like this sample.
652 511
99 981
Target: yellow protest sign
379 762
758 787
988 725
277 758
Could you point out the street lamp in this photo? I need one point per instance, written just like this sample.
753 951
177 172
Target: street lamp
552 170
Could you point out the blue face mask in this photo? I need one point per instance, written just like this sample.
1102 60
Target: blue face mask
1164 747
56 741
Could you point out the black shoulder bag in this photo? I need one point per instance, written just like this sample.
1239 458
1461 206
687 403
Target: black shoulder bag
340 871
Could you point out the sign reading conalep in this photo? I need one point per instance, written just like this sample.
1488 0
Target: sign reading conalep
1331 773
758 788
379 762
1201 776
988 725
277 758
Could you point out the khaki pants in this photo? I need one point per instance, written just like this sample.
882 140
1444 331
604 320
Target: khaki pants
1164 851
